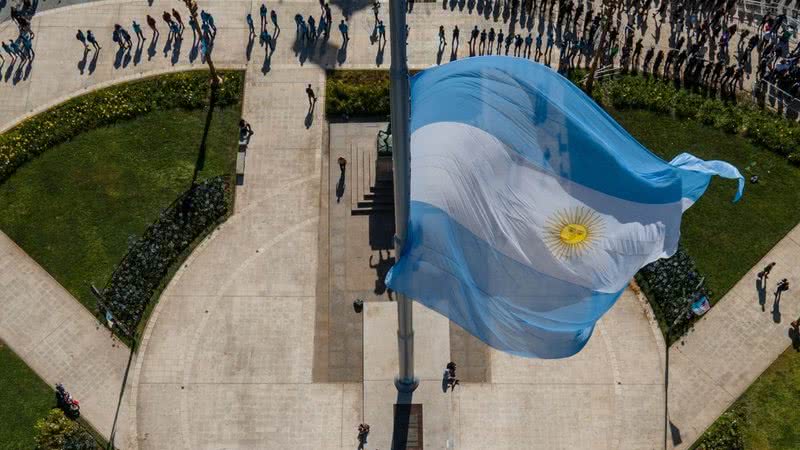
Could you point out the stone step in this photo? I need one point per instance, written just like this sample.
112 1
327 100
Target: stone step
375 203
370 210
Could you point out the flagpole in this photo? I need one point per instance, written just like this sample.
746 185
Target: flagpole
400 116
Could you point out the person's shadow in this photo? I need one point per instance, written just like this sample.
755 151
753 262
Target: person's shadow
176 51
776 307
761 289
269 49
118 57
445 384
126 59
137 57
93 62
310 116
151 51
340 186
250 42
381 269
341 54
439 55
379 55
82 62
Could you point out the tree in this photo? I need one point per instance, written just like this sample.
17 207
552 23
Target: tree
57 432
53 430
191 5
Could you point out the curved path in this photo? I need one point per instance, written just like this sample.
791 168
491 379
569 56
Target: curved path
227 358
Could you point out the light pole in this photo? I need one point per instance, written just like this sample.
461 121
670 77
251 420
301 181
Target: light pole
400 117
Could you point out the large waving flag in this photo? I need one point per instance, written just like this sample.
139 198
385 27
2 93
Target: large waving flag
531 208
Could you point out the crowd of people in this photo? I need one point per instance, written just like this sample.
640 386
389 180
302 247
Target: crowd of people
20 48
703 41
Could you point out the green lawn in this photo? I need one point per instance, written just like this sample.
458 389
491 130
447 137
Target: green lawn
770 406
75 207
24 398
725 239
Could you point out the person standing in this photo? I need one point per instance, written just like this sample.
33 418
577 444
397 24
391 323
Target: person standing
178 19
138 30
81 37
363 432
273 16
262 11
343 30
151 22
250 25
764 274
442 40
381 32
312 97
92 40
454 41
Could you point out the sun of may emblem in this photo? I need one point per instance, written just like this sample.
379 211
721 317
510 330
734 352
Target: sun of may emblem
569 233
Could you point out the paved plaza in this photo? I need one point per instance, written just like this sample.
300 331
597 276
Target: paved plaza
254 343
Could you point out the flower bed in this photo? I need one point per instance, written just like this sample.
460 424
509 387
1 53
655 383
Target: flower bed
670 284
137 277
187 90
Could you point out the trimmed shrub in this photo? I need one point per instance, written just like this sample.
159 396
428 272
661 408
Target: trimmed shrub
148 260
188 90
669 285
725 433
764 128
357 93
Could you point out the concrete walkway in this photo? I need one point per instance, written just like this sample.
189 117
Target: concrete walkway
733 344
227 357
58 338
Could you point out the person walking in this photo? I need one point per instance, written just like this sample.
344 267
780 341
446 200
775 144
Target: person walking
381 32
764 274
138 30
454 41
328 15
262 11
250 26
273 16
343 30
151 22
473 39
92 40
363 432
376 7
10 52
126 37
482 45
82 37
167 19
442 40
178 19
312 97
500 38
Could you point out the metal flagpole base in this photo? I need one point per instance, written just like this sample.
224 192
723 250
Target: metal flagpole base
406 386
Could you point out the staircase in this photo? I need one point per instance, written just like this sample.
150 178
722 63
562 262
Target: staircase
373 187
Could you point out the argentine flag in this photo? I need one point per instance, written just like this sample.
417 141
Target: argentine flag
531 208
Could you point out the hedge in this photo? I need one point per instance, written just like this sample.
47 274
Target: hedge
188 90
357 93
761 127
136 278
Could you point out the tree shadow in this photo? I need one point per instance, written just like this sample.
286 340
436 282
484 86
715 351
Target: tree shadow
201 153
349 7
